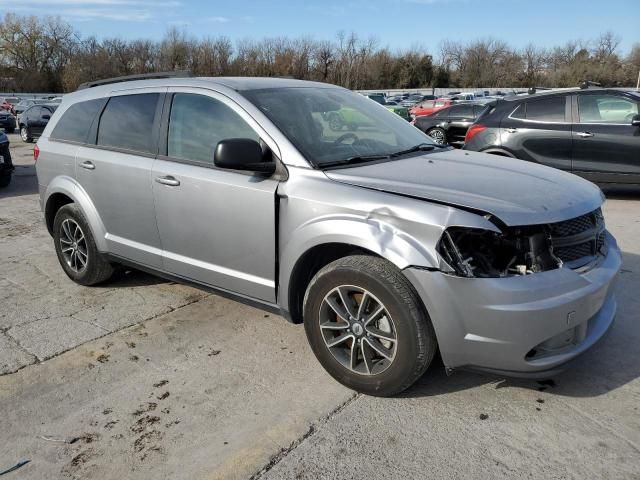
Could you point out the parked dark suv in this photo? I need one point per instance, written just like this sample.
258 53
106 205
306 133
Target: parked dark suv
594 133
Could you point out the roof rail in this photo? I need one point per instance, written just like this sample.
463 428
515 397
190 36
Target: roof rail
142 76
587 83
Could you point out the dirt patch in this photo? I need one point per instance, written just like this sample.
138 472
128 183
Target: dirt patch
144 422
148 441
103 358
145 407
85 438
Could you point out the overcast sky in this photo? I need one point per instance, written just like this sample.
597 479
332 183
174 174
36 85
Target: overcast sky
396 23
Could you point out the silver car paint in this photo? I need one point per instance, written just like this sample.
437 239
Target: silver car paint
528 194
381 208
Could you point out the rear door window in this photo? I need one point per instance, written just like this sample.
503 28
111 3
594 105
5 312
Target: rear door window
127 122
76 121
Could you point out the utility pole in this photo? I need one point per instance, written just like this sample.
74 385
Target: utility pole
638 82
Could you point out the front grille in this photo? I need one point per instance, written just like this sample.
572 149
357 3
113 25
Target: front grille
573 226
578 240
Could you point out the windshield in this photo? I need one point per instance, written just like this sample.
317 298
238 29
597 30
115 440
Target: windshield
330 125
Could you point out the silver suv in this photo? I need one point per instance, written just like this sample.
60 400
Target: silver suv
387 246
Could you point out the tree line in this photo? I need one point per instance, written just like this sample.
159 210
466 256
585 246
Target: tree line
46 54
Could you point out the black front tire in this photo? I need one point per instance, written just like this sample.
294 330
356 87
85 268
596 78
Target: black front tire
97 269
416 338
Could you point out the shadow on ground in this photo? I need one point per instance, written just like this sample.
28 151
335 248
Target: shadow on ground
621 192
23 182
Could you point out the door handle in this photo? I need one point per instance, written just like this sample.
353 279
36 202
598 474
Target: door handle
584 134
512 130
168 180
88 165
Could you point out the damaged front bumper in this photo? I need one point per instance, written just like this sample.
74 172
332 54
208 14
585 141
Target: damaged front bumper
526 325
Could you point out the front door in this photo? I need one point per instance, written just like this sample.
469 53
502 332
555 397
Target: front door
217 226
606 147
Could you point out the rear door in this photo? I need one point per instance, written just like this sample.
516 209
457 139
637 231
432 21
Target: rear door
40 120
116 173
460 119
606 147
218 226
539 130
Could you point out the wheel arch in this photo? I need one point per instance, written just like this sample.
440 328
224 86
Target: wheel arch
64 190
499 151
316 248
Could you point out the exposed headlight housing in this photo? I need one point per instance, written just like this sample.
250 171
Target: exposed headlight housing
472 252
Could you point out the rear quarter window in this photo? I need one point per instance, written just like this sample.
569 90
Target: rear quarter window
76 121
546 110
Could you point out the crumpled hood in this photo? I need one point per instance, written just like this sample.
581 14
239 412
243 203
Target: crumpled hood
515 191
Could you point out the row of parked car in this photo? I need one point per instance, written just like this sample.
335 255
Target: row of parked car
594 132
29 115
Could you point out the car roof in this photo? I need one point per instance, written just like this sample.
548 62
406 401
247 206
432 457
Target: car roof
561 91
234 83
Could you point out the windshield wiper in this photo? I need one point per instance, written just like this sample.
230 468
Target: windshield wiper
354 160
422 147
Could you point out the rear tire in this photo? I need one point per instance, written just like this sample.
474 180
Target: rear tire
9 130
438 135
76 248
25 134
403 328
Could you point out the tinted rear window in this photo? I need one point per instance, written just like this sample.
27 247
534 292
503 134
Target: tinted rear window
127 122
546 110
76 122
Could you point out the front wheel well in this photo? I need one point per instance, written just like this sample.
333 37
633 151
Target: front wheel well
54 203
309 264
500 153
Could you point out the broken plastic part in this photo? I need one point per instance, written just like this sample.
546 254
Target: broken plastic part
471 252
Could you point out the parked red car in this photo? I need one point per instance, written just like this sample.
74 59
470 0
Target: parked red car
5 105
430 106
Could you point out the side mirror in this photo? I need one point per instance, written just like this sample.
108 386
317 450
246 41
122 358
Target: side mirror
46 117
635 121
242 154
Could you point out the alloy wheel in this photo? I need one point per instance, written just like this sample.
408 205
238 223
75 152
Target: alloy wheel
438 136
358 330
73 245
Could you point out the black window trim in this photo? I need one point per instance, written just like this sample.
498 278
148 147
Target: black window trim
567 114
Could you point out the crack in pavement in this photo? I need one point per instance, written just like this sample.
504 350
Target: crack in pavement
38 360
311 431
